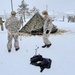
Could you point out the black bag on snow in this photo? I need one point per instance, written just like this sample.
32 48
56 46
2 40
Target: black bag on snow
43 63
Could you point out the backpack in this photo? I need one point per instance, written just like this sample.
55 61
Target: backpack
38 60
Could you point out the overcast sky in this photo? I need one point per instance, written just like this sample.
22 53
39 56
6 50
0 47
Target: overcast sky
53 5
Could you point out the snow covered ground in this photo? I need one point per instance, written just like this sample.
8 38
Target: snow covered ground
62 53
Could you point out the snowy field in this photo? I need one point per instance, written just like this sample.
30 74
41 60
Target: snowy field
62 53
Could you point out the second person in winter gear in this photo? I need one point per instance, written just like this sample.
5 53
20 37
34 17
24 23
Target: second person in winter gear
47 29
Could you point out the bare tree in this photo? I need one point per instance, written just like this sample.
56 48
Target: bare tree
34 10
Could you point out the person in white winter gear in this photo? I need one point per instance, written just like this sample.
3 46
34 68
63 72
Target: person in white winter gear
12 25
47 29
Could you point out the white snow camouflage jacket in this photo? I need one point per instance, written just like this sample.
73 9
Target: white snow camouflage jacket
47 23
12 24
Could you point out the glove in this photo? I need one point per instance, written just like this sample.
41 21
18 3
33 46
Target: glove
47 31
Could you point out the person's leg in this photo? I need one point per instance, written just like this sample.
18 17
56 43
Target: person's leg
46 40
16 43
9 44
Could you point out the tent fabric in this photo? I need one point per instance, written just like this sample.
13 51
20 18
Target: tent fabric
36 22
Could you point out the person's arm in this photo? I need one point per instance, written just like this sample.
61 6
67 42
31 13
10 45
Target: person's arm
48 21
6 24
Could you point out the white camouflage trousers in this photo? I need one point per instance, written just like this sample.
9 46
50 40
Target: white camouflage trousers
45 38
16 43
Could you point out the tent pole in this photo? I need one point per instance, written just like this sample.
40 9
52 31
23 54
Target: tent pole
11 5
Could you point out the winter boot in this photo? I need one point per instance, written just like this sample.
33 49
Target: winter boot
43 46
9 50
17 49
48 45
